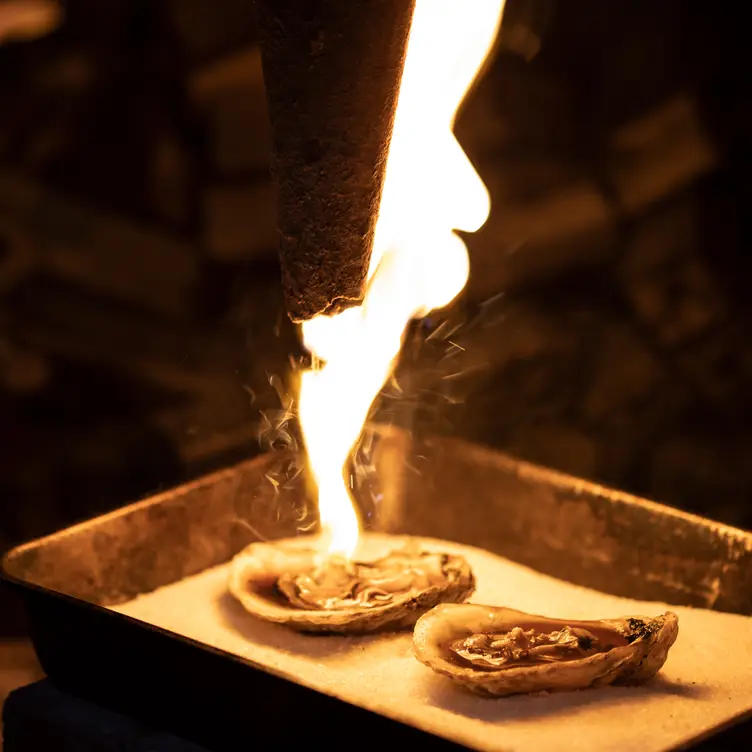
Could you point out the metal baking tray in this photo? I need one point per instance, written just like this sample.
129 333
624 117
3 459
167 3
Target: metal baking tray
438 487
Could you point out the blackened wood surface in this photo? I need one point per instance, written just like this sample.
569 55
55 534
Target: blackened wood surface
332 70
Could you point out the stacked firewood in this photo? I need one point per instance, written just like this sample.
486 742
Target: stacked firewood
140 317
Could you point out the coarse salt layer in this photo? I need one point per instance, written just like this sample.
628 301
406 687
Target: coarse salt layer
706 682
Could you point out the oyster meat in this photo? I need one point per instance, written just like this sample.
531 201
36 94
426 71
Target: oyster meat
500 651
291 582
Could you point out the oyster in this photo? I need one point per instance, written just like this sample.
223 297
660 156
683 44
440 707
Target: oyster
291 582
500 651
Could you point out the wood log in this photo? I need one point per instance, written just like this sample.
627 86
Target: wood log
207 30
102 252
199 436
240 70
17 254
239 221
230 91
21 371
59 320
660 153
239 135
332 71
22 21
573 224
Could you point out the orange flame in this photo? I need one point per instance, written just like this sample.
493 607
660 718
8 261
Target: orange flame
431 189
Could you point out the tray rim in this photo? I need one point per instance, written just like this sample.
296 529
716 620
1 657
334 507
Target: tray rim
10 554
576 484
519 467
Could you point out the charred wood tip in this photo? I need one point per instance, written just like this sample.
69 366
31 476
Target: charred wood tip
332 70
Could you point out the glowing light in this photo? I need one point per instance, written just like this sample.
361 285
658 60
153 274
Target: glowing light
419 264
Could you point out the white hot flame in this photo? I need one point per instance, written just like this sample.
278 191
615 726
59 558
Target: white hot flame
431 189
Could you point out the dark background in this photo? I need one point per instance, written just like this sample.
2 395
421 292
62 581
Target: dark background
603 332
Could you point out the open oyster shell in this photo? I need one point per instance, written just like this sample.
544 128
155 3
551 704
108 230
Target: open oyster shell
576 654
261 578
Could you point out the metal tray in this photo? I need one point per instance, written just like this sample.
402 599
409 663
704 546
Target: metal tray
436 487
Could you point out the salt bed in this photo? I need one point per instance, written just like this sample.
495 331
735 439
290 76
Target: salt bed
706 681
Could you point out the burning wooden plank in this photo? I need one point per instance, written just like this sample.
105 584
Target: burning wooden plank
332 76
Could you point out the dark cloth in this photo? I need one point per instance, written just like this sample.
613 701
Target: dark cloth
40 717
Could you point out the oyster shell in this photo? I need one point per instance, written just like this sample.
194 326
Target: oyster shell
500 651
290 582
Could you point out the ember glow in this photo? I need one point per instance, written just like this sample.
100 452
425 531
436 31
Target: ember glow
419 264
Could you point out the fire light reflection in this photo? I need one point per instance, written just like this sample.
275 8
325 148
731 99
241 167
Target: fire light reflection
419 263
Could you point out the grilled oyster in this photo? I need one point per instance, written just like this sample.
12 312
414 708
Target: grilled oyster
499 651
290 582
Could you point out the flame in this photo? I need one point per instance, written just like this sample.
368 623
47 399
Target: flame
431 189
